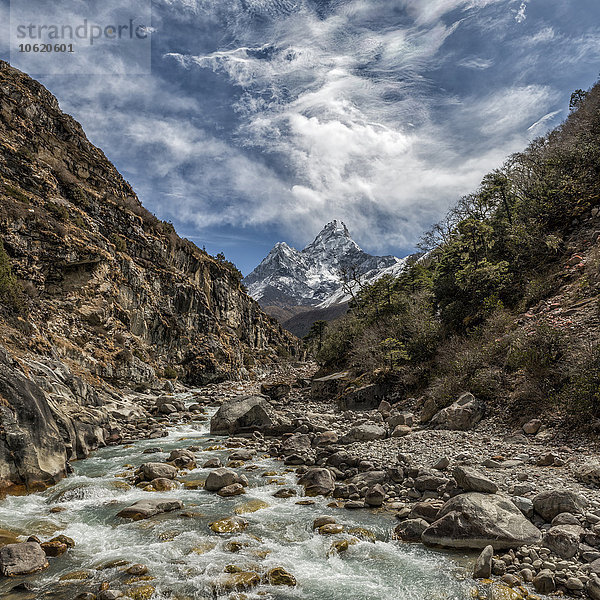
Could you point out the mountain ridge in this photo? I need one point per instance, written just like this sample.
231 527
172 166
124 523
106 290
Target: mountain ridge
313 276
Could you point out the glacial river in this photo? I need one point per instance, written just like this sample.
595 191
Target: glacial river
185 558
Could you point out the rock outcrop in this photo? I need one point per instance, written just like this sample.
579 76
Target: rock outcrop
32 451
462 415
101 267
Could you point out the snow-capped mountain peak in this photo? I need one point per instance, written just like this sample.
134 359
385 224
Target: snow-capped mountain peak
313 276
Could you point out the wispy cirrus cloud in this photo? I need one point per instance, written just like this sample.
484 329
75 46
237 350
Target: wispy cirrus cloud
271 117
521 12
475 62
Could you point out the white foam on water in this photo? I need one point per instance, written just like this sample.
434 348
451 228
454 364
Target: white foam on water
367 571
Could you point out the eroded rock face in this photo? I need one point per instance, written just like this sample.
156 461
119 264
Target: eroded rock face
107 283
125 270
475 520
32 450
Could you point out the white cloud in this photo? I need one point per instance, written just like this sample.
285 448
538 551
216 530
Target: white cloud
433 10
349 152
544 35
333 118
474 62
521 13
509 110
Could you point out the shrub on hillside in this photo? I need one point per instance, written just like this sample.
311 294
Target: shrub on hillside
9 287
581 394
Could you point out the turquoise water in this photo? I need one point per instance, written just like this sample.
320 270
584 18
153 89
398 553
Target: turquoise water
185 557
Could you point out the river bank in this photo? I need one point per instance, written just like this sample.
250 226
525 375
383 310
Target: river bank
177 555
388 490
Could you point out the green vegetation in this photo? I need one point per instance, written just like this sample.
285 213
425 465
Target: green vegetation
449 322
314 338
235 272
119 242
15 193
10 290
78 220
58 211
170 372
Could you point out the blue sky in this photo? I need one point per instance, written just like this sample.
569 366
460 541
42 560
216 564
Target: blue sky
261 120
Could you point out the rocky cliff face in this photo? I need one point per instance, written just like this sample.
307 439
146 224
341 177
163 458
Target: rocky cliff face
105 288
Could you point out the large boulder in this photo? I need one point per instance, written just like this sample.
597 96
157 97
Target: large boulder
471 480
593 587
325 438
299 443
182 459
368 478
405 418
154 470
144 509
483 564
323 388
276 391
429 482
544 582
553 502
563 540
366 432
588 472
410 530
317 481
221 478
375 496
243 414
475 520
462 415
367 397
22 559
428 510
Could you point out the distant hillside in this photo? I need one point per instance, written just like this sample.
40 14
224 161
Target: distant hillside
300 324
506 302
